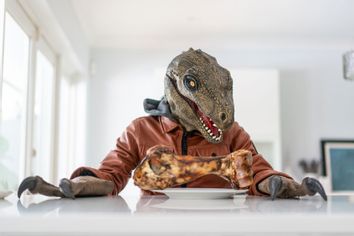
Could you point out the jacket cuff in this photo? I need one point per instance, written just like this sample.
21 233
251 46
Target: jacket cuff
259 177
82 171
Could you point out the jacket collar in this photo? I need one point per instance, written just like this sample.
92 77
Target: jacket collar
168 125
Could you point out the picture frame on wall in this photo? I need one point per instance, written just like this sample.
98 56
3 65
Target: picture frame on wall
338 164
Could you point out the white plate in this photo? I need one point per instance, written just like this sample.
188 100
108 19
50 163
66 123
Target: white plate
4 194
201 193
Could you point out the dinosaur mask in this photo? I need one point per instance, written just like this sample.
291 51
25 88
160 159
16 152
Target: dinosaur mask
199 92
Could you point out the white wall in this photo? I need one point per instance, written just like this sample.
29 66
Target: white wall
315 101
58 23
265 132
66 16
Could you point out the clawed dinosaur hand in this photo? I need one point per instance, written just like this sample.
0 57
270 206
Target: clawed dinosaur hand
79 186
282 187
35 184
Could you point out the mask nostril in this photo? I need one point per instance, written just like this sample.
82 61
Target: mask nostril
223 116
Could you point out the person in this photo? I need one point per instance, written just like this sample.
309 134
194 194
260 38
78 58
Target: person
194 117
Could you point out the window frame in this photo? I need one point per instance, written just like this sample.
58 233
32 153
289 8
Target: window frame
37 42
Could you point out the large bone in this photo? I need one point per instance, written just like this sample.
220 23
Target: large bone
161 169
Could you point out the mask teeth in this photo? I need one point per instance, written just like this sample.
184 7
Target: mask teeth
206 128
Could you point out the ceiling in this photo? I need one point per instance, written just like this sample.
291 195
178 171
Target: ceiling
222 23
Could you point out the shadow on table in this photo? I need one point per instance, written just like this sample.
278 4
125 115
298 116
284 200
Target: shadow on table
175 205
238 204
113 204
155 204
4 203
308 205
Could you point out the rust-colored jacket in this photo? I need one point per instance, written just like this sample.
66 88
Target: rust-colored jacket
149 131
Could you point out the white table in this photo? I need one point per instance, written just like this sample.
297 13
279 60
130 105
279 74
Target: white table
38 215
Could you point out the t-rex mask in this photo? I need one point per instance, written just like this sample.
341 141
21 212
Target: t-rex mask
199 92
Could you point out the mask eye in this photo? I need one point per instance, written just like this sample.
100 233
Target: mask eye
190 82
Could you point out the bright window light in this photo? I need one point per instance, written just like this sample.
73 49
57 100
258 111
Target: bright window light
43 117
13 102
72 126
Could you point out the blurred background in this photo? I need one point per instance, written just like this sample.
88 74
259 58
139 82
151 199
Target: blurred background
75 73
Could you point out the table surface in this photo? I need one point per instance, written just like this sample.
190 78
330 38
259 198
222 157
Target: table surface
160 215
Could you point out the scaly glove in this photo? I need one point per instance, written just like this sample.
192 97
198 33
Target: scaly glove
77 187
282 187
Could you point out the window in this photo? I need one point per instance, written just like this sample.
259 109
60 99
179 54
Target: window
42 130
27 101
13 102
64 155
42 155
72 126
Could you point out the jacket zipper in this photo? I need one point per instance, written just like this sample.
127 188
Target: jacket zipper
184 149
184 143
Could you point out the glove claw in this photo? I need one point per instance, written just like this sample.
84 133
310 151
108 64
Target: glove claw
65 188
29 183
314 186
275 184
